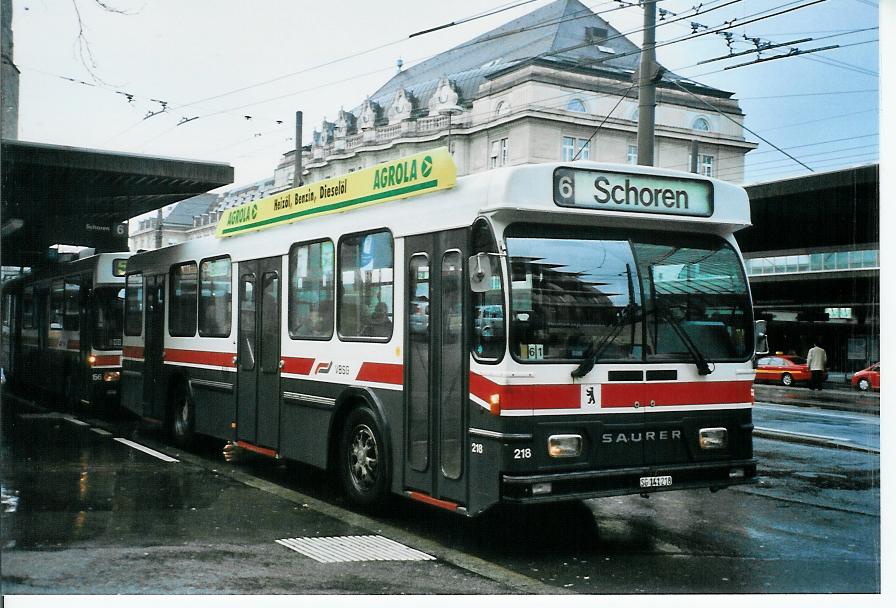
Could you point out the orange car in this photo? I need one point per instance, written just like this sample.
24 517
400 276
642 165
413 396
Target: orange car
867 379
782 368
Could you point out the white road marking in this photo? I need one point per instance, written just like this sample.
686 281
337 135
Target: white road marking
74 420
102 432
146 450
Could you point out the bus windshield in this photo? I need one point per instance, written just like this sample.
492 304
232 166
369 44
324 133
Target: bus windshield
108 317
631 295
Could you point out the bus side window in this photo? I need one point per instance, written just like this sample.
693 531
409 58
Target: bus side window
214 298
311 288
133 308
365 286
182 304
71 318
28 308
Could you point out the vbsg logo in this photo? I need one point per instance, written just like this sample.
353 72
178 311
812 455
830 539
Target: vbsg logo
564 187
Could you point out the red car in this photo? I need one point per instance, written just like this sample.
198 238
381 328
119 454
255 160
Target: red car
782 368
867 379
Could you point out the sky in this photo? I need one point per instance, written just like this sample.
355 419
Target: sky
233 73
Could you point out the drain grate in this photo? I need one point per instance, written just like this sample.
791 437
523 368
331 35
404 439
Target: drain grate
329 549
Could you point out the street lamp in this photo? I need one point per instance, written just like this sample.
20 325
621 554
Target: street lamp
450 111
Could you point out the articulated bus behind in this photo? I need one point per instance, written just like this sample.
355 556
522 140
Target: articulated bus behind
62 330
529 334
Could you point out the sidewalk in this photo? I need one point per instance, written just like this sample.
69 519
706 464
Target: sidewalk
833 397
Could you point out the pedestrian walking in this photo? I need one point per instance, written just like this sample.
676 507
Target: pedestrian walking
817 359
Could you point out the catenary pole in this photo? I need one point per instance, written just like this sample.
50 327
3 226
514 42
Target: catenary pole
647 76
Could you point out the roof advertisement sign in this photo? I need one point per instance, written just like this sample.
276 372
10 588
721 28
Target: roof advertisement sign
637 193
402 178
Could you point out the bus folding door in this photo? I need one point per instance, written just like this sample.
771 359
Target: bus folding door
436 364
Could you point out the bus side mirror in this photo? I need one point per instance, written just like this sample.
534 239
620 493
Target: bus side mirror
761 337
482 270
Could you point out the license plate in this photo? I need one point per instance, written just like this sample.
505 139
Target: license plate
656 482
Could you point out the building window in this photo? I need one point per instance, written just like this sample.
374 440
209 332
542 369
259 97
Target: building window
311 289
632 154
182 304
576 105
214 298
584 149
706 167
498 156
365 286
133 305
826 261
573 147
502 108
569 144
701 124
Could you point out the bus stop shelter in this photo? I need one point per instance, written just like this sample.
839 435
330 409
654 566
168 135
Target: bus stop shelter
57 194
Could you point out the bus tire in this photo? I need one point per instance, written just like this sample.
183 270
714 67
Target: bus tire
182 417
363 463
71 396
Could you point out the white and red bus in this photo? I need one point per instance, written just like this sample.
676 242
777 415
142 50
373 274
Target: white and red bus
62 330
529 334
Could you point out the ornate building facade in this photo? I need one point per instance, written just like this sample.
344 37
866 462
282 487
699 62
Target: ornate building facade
555 84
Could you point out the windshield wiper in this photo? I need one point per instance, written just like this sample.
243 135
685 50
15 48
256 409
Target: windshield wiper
593 352
699 360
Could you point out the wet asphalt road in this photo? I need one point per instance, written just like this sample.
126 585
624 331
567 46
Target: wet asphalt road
84 513
847 428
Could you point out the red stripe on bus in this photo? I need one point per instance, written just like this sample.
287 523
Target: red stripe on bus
527 396
297 365
99 360
201 357
444 504
134 352
257 449
386 373
676 393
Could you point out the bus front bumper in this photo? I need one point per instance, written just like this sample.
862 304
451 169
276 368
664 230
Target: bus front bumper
580 485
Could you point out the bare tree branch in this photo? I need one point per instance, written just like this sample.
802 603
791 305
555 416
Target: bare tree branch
85 54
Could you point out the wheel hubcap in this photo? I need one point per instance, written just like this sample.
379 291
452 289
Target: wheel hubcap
363 458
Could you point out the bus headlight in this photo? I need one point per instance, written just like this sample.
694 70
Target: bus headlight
564 446
111 376
713 439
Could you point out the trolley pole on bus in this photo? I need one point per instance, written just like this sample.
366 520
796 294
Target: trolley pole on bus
648 75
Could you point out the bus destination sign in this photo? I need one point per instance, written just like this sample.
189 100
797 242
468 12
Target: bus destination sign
614 191
409 176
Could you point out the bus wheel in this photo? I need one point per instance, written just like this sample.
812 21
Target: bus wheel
182 418
787 380
363 463
71 394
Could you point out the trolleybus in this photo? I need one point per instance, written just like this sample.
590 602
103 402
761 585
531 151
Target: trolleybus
528 334
62 329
